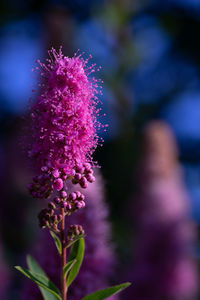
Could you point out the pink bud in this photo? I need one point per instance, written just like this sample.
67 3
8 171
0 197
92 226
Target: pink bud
55 173
57 184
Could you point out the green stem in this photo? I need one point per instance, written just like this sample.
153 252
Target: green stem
63 256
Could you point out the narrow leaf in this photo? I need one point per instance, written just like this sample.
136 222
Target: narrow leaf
57 242
76 252
40 280
103 294
35 267
68 266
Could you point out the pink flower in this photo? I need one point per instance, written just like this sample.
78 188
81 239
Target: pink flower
164 266
63 119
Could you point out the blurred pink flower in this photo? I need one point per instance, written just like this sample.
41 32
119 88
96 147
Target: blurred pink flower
163 267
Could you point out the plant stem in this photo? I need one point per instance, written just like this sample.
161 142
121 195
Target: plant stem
63 256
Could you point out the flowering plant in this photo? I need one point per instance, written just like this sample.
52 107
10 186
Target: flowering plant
64 136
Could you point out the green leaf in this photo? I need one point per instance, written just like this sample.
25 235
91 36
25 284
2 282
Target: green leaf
103 294
68 266
40 280
76 252
57 242
35 267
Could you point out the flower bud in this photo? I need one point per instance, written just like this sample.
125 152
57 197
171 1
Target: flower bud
83 183
90 178
55 173
78 193
78 204
51 205
68 207
80 169
82 197
63 204
57 200
63 194
77 176
72 196
57 184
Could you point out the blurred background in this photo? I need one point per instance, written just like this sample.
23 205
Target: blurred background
149 51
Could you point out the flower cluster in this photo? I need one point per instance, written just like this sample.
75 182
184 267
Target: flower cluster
99 259
83 175
50 217
74 231
64 124
53 180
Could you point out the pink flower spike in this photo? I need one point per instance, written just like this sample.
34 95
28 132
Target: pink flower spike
64 127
